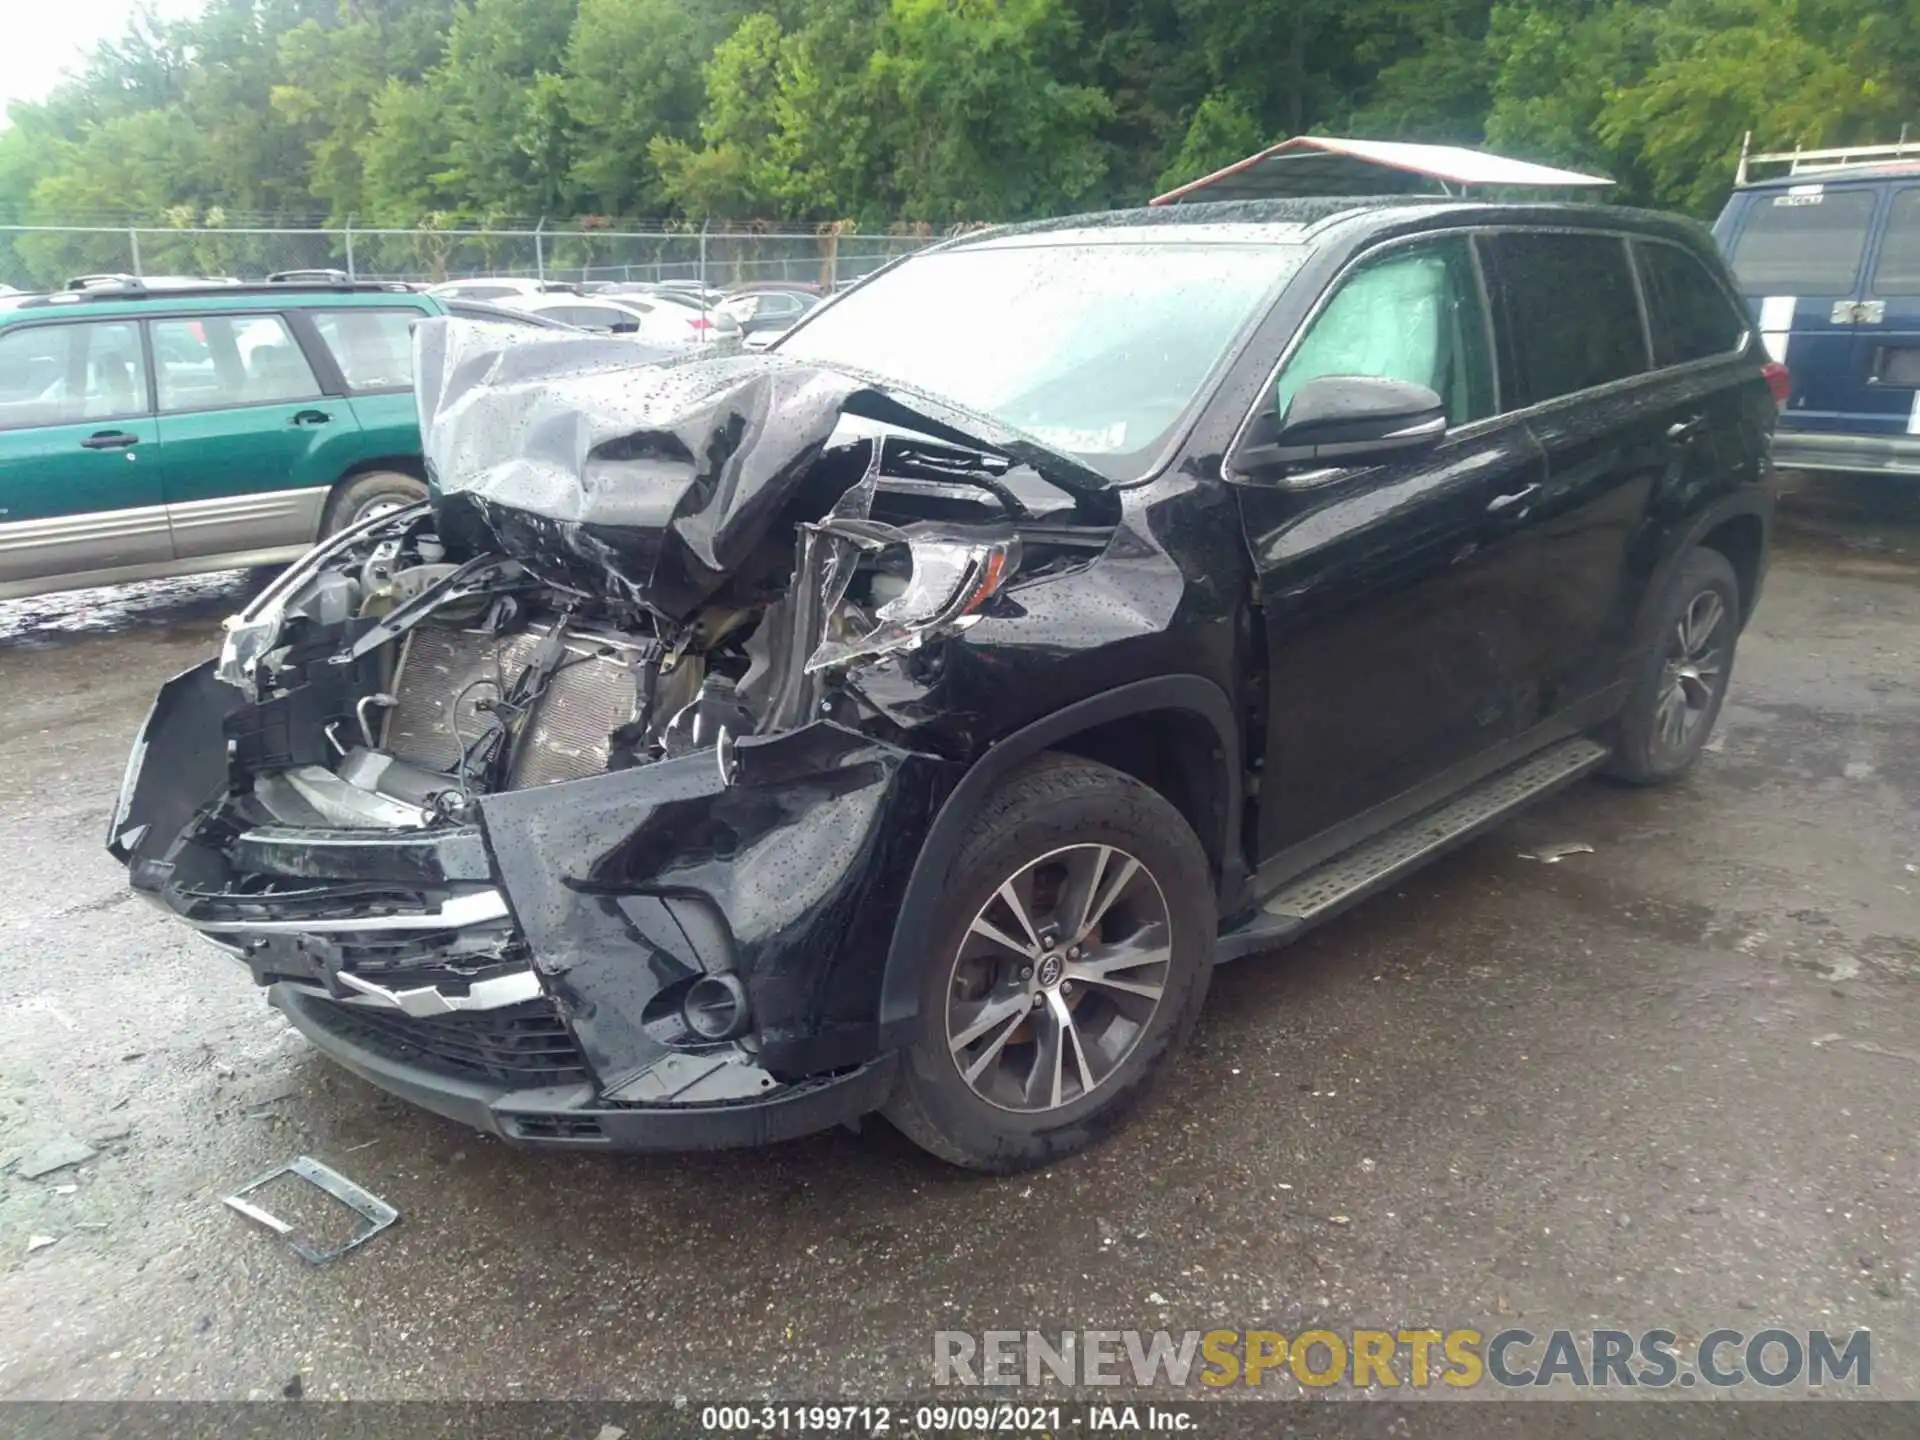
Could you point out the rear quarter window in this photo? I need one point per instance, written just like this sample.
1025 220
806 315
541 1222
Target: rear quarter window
1689 311
1572 313
373 348
1897 271
1809 243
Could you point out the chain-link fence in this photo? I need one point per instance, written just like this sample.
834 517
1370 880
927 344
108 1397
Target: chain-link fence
46 257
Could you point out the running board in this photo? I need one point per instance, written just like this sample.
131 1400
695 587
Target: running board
1352 875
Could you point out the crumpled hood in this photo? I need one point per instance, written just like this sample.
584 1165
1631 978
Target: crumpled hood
607 466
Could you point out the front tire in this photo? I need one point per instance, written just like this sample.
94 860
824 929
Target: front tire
1679 679
1067 963
364 496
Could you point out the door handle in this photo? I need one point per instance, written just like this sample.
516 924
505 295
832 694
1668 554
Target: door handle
311 417
1686 429
1507 502
109 440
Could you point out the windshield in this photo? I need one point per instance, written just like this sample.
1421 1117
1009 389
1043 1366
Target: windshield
1096 350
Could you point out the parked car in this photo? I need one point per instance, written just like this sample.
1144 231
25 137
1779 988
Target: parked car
1827 253
723 328
907 721
654 320
768 309
502 315
497 287
154 428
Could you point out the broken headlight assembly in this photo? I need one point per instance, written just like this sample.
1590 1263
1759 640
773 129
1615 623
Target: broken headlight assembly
921 582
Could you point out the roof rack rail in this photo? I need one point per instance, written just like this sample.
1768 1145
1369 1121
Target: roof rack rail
313 276
83 288
1803 162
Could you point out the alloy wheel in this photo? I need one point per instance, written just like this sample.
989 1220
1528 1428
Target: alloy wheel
1057 978
1693 672
380 505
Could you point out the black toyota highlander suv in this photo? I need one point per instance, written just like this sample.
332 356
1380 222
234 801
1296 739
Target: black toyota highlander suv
908 718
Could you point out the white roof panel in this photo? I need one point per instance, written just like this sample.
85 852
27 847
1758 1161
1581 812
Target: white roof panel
1326 165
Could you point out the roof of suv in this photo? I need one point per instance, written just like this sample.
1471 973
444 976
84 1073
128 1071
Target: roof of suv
1292 221
115 300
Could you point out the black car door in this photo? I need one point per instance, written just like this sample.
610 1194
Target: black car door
1617 431
1388 591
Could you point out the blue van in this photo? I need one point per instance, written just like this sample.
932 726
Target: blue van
1827 254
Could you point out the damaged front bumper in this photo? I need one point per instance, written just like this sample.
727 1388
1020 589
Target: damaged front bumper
558 969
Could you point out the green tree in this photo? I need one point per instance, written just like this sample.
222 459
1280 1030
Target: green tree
1725 67
975 119
634 75
729 174
1221 131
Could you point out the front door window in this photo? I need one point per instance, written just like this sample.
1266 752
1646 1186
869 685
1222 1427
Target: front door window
1412 314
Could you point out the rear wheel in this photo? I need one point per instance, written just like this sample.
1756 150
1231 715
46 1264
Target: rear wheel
368 495
1680 677
1068 963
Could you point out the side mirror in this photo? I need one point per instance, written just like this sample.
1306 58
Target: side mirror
625 327
1343 420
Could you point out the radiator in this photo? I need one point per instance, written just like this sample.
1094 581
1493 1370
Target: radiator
445 673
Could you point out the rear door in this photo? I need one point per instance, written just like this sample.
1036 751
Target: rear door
79 452
250 442
1575 357
370 351
1887 350
1798 254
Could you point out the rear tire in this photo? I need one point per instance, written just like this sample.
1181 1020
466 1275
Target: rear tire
1111 950
1679 678
364 496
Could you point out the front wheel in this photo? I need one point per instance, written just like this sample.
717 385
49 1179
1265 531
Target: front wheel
1679 679
365 496
1068 963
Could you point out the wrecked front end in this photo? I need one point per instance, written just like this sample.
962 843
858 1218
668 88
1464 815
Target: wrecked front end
564 805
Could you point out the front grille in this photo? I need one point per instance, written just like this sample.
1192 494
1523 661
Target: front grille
445 674
524 1046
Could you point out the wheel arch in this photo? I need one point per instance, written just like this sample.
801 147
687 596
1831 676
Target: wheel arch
1740 527
413 466
1742 538
1179 729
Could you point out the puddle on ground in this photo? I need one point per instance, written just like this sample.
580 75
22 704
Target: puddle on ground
46 620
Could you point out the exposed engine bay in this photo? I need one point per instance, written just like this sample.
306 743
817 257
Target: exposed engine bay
669 598
589 787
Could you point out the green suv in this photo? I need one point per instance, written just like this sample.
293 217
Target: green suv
147 432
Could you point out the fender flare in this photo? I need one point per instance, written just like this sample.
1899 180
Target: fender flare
1747 502
900 982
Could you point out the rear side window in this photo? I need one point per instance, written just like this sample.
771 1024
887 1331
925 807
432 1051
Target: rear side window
1572 312
1897 272
71 374
213 362
1805 244
1691 315
373 348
